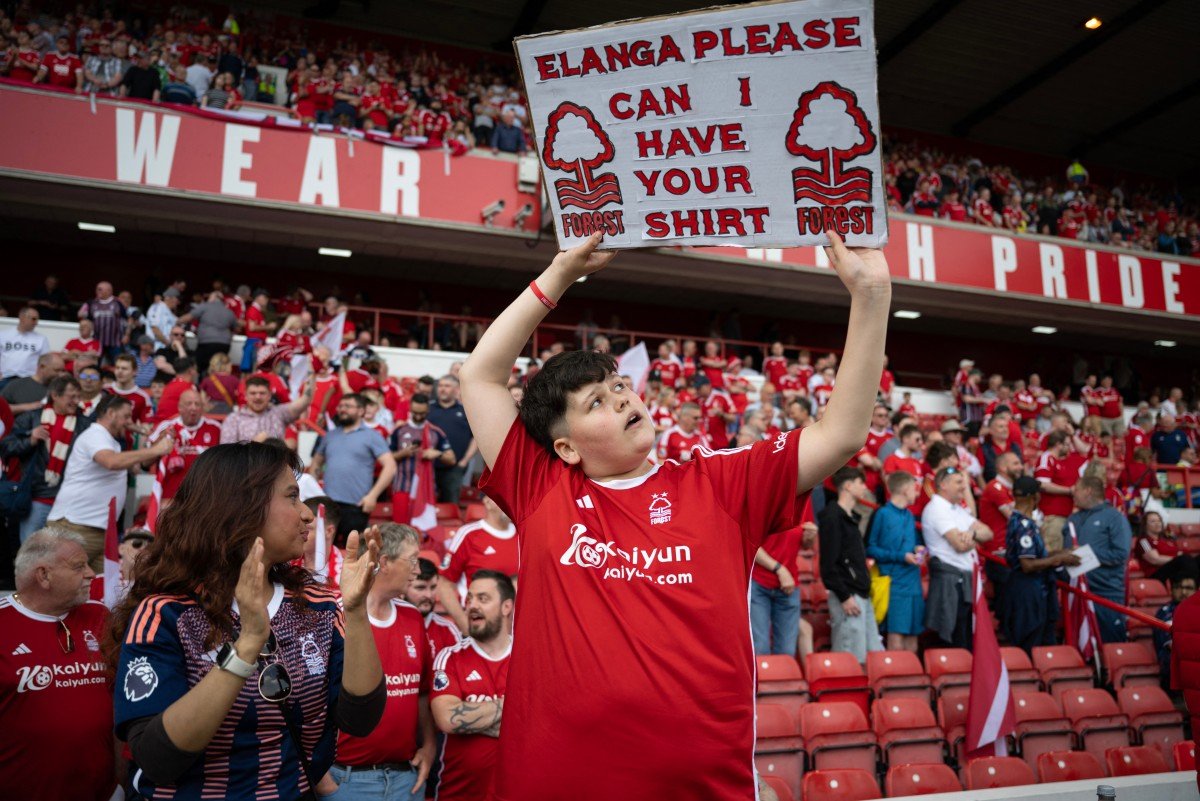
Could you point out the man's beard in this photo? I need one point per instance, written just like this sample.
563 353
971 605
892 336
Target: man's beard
343 420
484 630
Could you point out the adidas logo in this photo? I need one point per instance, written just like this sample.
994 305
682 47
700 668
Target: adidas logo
585 502
21 650
474 676
489 551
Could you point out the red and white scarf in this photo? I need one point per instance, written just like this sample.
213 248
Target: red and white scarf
61 428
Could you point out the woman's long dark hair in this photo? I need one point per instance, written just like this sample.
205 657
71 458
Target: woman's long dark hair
203 537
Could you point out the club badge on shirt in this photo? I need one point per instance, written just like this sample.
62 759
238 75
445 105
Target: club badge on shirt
440 680
660 509
410 646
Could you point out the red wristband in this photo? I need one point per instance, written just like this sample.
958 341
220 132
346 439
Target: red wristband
549 304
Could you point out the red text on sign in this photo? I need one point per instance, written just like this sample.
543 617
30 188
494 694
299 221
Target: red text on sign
705 180
843 219
588 223
690 141
706 222
753 40
674 100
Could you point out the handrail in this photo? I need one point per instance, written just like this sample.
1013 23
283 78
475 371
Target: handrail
1153 622
430 320
1191 479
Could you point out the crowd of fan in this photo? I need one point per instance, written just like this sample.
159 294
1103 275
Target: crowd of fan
925 181
416 95
136 393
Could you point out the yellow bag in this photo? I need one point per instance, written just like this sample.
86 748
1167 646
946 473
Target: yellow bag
881 590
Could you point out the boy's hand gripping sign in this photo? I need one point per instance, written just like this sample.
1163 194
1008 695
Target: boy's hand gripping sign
754 125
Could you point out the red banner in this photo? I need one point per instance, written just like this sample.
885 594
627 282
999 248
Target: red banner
135 143
950 255
143 145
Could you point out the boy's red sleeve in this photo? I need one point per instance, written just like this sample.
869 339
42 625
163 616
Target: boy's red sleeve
756 485
522 475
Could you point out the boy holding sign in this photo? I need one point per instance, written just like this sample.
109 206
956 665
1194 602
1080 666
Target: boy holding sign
632 670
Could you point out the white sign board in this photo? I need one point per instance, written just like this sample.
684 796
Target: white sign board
754 125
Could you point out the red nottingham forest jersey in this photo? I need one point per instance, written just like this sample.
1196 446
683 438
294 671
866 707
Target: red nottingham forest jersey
468 760
632 623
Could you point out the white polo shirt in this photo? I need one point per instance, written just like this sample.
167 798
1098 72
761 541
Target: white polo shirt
86 485
939 517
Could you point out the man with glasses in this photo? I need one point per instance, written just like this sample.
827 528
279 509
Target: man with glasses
42 439
91 391
392 762
55 698
951 534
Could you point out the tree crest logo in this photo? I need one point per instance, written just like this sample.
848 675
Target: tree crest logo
575 143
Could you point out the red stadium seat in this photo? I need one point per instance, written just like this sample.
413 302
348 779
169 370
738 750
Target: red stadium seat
430 555
1061 666
1041 727
836 735
1129 664
448 511
1185 755
1189 529
1135 760
903 780
952 717
1154 718
778 749
475 511
987 772
1134 569
783 790
381 512
907 731
804 570
1148 593
840 785
948 667
1068 766
897 673
780 681
1097 720
837 676
1022 676
435 540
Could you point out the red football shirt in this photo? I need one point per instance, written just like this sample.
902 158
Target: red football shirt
821 393
1091 400
626 585
662 416
909 464
62 70
360 379
478 546
168 404
677 445
189 444
775 368
327 391
1060 472
138 399
470 760
791 383
711 408
1135 438
876 439
784 547
669 370
407 673
996 494
1111 403
79 345
441 634
58 741
255 316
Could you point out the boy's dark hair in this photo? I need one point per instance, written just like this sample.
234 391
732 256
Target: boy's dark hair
546 395
426 569
897 417
163 378
939 452
844 475
419 397
183 364
504 585
908 430
332 514
257 381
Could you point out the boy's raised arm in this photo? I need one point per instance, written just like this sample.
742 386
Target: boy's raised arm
484 377
842 430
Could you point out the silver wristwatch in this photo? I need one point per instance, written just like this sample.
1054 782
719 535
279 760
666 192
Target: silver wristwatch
227 659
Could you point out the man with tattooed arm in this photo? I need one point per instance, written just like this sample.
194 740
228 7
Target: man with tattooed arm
469 682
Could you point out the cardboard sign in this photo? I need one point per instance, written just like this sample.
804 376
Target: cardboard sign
754 125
